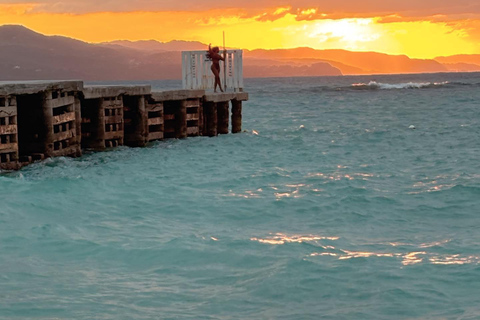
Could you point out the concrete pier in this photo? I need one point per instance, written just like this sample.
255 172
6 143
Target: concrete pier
41 119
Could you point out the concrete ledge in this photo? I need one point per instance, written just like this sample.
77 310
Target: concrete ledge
241 96
96 92
177 95
33 87
222 97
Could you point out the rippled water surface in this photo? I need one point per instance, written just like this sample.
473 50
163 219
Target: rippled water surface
329 206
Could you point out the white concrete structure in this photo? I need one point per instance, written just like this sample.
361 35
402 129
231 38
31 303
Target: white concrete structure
196 72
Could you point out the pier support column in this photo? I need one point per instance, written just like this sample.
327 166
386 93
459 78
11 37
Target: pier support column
47 111
8 133
61 111
210 109
201 120
93 124
98 123
78 124
236 116
222 113
181 120
136 121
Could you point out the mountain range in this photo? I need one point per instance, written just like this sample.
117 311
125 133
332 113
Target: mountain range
28 55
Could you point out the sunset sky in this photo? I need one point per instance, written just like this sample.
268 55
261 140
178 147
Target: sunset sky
417 28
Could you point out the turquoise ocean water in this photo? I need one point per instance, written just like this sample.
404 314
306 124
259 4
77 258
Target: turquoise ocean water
328 206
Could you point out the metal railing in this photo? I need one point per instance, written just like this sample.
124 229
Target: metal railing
196 72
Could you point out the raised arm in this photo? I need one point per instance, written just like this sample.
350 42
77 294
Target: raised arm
210 48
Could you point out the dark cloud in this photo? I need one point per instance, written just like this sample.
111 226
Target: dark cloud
264 10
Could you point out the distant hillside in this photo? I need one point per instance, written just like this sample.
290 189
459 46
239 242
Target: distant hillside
287 70
25 54
362 62
461 63
462 67
460 58
28 55
153 45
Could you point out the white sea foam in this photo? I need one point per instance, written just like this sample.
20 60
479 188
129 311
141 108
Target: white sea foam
373 85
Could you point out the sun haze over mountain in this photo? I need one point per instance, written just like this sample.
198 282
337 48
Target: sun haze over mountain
419 29
25 54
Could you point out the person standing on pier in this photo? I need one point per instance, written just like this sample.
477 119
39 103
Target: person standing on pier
213 54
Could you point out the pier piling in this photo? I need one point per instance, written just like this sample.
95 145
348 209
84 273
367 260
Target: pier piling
60 110
222 114
136 121
93 124
236 116
113 119
211 118
8 133
180 118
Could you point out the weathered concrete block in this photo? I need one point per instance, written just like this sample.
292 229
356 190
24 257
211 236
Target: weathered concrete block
113 121
155 122
97 92
194 108
8 133
63 123
177 95
49 119
226 96
40 86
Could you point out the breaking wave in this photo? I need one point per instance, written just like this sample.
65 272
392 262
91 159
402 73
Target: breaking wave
373 85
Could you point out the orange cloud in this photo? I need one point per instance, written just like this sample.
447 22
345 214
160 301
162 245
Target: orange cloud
16 9
278 13
339 9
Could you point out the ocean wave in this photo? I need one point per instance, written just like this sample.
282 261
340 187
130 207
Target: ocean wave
373 85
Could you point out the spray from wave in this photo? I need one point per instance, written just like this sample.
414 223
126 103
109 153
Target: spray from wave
373 85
